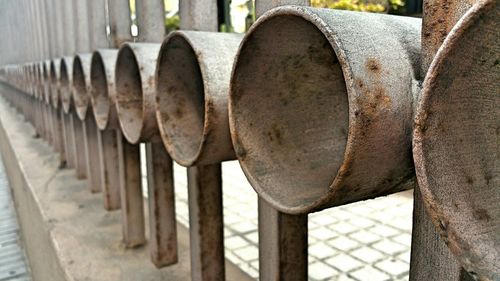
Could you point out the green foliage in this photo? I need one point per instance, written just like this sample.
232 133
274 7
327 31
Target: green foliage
172 23
374 6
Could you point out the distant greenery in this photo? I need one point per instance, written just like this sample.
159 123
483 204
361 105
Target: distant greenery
374 6
172 23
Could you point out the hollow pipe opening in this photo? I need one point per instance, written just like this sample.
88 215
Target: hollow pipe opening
289 87
80 95
66 81
180 100
129 99
99 91
54 83
321 106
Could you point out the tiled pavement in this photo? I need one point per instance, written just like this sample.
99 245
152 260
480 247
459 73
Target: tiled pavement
12 260
368 240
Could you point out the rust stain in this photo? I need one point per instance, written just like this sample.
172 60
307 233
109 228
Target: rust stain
373 66
481 214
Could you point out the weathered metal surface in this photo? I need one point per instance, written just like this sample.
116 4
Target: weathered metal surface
81 82
119 22
66 84
135 91
102 97
132 208
80 151
282 244
198 15
439 17
193 74
206 225
150 20
430 258
110 174
333 125
94 164
459 111
263 6
162 221
102 88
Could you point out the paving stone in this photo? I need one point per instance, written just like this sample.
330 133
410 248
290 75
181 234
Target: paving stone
361 222
235 242
365 237
384 231
322 219
322 250
343 243
243 227
248 253
405 257
322 233
370 273
404 238
393 267
253 236
344 263
388 247
367 254
321 271
343 228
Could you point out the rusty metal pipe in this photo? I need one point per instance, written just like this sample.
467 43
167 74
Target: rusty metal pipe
193 74
321 106
102 97
102 88
135 91
81 82
68 106
456 148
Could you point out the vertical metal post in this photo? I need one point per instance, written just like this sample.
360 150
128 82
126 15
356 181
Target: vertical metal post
98 39
206 224
282 238
430 257
80 152
131 193
162 221
119 23
161 200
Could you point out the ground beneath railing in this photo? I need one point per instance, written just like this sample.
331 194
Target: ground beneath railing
368 240
12 258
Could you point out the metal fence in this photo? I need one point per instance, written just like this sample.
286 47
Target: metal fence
321 107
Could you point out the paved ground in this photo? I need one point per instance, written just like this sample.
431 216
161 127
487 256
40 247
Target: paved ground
12 260
364 241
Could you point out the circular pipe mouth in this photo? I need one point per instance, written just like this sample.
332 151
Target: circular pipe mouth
80 95
65 86
99 91
456 144
54 84
129 98
180 100
46 97
320 112
289 108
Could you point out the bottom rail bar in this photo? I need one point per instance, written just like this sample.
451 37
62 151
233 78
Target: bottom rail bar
206 227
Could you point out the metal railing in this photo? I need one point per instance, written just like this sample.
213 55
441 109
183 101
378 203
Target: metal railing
321 107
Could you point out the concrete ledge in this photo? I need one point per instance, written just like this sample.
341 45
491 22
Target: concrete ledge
66 231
